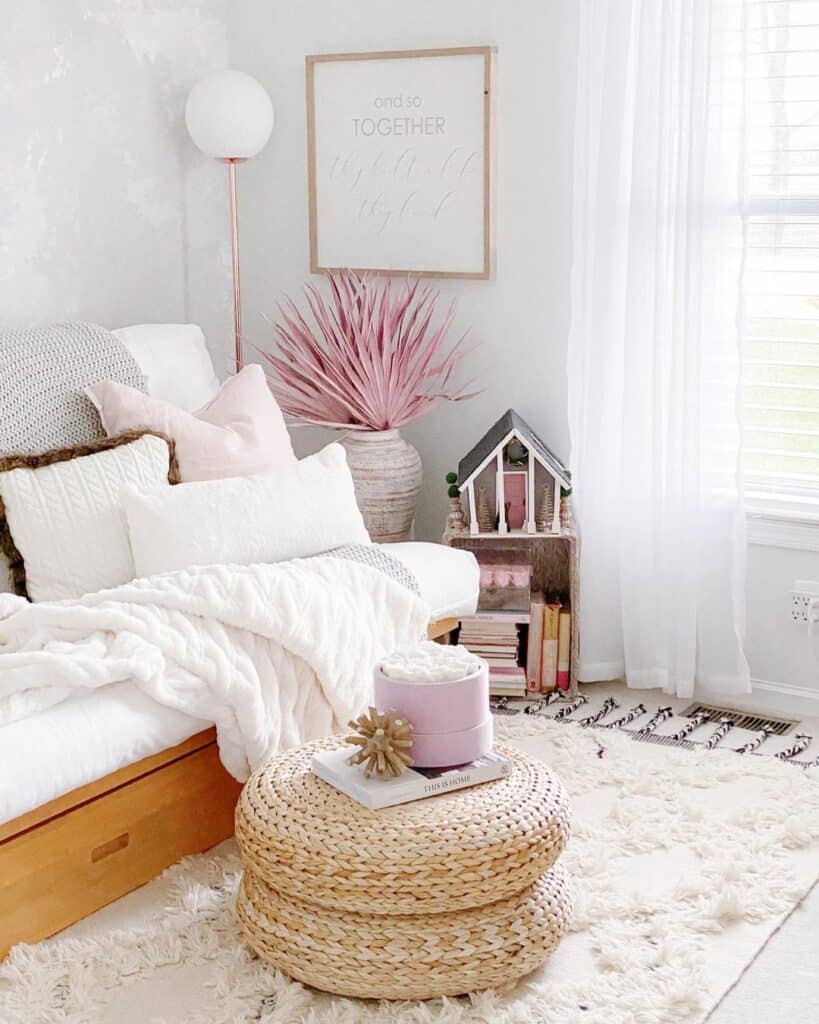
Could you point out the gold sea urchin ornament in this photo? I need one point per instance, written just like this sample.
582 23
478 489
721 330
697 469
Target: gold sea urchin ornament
383 741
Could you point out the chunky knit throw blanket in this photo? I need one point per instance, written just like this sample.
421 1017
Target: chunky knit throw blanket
274 655
43 372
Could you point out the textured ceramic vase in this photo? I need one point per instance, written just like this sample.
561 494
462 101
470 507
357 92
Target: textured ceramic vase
387 475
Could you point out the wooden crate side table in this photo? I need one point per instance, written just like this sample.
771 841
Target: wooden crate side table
553 560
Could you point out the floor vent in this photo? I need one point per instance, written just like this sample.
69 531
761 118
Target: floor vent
777 726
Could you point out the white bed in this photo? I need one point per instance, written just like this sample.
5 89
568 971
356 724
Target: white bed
99 793
92 735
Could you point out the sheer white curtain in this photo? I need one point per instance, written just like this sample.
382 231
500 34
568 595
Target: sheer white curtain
654 356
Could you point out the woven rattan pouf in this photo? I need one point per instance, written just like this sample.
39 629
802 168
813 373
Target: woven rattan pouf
448 895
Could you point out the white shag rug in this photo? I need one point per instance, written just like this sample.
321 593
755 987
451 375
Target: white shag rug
684 864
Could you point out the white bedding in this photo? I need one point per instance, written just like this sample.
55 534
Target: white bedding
448 578
82 740
91 735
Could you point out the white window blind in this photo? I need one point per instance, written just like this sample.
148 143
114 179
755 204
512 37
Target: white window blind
781 373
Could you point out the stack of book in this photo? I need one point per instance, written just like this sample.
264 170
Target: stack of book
548 652
414 784
495 637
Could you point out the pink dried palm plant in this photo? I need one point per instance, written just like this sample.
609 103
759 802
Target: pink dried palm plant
375 361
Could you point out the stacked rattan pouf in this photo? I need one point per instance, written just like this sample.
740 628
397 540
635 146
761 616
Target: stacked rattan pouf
448 895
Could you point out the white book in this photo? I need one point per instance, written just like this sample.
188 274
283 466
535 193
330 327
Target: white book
414 784
500 615
506 686
507 691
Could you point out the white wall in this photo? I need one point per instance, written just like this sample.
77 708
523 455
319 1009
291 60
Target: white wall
107 212
520 319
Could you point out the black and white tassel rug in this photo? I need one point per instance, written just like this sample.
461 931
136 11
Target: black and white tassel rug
684 862
695 727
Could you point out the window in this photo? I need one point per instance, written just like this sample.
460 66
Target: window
781 388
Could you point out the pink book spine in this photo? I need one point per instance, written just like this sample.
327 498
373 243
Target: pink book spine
564 649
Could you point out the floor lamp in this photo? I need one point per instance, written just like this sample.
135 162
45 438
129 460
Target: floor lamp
230 117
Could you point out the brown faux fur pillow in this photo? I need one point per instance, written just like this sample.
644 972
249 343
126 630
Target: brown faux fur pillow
17 569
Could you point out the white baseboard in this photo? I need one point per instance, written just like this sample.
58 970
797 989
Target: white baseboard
786 689
767 696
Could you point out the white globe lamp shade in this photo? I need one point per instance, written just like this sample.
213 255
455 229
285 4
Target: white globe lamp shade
229 115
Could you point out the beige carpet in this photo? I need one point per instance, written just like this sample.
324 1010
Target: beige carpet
685 863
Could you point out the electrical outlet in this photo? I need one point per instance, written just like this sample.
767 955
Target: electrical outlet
803 591
799 607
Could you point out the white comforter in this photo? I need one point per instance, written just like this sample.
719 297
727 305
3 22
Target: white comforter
272 654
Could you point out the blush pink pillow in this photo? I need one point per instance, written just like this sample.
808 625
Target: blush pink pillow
239 432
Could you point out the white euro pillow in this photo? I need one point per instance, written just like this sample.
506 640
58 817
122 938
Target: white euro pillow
175 361
284 513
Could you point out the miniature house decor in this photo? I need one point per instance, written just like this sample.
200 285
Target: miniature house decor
510 477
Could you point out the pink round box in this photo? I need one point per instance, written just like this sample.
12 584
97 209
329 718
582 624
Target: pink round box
451 721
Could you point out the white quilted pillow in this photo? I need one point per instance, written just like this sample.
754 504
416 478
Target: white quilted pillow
67 522
286 512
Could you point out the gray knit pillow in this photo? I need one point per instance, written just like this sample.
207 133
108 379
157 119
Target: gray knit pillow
43 372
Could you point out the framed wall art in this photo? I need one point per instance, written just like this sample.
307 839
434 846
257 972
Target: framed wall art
400 161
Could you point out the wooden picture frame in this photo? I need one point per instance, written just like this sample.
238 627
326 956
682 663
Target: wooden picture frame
458 240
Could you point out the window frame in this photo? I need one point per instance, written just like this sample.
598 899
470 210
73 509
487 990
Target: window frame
788 516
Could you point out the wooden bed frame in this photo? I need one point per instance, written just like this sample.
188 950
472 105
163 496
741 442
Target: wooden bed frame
66 859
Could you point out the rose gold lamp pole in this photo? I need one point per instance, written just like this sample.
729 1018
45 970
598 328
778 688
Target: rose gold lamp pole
230 117
234 251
